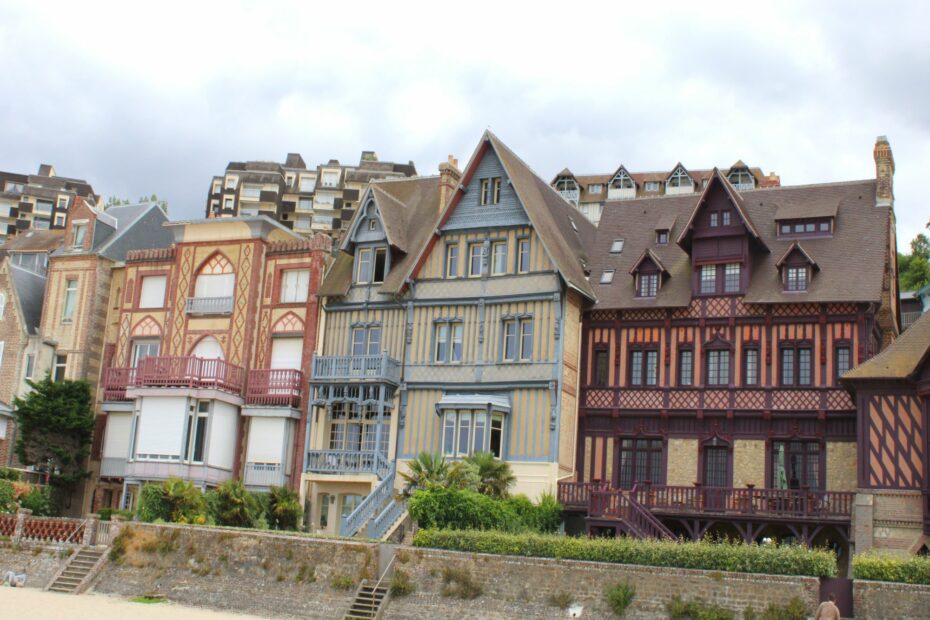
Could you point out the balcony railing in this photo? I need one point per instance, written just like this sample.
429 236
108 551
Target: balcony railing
209 305
189 371
709 398
115 381
264 475
274 387
576 495
571 195
329 368
748 501
112 467
348 462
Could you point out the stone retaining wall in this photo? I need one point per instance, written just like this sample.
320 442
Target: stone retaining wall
879 600
39 562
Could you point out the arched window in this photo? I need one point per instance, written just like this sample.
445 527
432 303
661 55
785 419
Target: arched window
622 180
216 278
208 348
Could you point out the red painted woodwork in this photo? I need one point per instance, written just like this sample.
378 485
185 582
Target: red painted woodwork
274 387
115 382
167 371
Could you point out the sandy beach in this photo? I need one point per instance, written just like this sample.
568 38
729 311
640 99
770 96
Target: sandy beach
33 604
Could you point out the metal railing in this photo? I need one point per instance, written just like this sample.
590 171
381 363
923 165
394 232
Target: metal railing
348 462
276 387
355 367
350 525
112 467
209 305
264 475
378 527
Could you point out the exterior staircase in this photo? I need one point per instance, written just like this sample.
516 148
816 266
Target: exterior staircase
369 601
379 510
623 509
77 572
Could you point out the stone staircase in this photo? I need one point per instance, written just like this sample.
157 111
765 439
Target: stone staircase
369 601
78 570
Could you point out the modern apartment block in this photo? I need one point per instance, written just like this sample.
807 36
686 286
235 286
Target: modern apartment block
307 201
39 201
711 397
590 192
208 346
452 320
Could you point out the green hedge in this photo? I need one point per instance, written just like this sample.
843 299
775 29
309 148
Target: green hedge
882 567
704 555
448 508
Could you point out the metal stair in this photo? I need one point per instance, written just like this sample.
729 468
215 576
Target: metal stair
71 579
368 601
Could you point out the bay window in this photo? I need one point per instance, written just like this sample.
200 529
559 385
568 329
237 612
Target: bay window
466 431
195 437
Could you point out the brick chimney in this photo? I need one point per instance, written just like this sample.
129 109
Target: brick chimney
884 172
449 177
770 180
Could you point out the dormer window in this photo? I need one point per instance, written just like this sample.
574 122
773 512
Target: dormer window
617 246
372 265
741 179
647 284
662 237
679 182
78 234
595 188
490 191
718 279
818 227
652 186
621 186
796 279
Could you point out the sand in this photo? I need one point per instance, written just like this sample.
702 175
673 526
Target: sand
33 604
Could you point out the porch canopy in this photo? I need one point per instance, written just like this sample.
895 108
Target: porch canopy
492 403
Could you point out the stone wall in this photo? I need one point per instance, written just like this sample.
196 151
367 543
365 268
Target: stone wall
877 600
38 561
515 587
269 575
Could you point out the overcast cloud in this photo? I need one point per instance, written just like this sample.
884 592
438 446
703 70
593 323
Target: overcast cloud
159 99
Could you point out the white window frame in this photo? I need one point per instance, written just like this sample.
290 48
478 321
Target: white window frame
307 183
523 252
454 421
616 246
499 258
365 257
651 186
295 286
69 304
472 256
2 304
150 280
452 260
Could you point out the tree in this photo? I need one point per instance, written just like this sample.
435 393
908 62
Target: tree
426 471
914 268
116 201
284 509
56 426
495 475
234 505
920 246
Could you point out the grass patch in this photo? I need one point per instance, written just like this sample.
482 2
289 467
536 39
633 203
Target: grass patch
148 599
342 582
679 609
305 574
401 584
619 597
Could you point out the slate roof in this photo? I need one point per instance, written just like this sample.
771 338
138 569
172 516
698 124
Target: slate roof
901 359
852 261
411 214
34 241
30 294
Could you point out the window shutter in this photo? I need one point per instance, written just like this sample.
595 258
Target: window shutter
153 292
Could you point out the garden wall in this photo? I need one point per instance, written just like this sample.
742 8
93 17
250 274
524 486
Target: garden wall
881 599
38 561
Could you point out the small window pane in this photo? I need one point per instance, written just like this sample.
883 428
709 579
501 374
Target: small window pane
452 261
636 368
709 279
842 361
731 281
752 366
526 340
457 331
523 260
499 256
510 340
686 367
787 367
652 367
601 367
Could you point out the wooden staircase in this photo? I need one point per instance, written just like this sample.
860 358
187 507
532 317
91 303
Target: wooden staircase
78 570
368 601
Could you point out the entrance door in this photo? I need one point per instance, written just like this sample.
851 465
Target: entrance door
716 478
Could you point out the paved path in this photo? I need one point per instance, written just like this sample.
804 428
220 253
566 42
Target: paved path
34 604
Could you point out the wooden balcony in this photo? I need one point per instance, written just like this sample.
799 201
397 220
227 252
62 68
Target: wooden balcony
209 305
347 462
177 372
804 399
336 368
274 387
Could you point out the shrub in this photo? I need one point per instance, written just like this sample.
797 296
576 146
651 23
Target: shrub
879 566
452 508
561 599
10 474
152 504
39 501
795 609
619 597
704 555
460 583
107 513
7 496
495 475
234 505
342 582
283 511
679 609
425 472
306 573
401 584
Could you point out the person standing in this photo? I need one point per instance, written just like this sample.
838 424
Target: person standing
828 609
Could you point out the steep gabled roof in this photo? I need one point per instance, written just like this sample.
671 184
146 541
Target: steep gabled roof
796 246
902 359
648 253
395 218
684 239
675 169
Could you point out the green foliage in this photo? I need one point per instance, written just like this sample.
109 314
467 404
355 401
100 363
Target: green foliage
283 511
39 501
460 583
619 597
464 475
305 574
152 504
174 500
879 566
750 614
7 496
401 584
679 609
147 599
234 505
544 516
342 582
795 609
705 555
10 474
56 427
107 513
914 268
118 546
425 471
440 507
495 475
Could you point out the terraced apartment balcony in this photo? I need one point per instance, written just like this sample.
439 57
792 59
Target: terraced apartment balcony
173 372
274 387
348 462
349 368
264 475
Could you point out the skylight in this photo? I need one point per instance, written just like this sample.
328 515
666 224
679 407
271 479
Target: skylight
617 246
607 276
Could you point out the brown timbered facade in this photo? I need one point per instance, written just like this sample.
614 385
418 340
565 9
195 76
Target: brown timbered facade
710 396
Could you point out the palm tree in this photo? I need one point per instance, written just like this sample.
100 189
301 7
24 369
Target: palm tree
235 505
496 476
284 509
183 499
425 471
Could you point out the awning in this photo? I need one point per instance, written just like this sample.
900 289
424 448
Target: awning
488 402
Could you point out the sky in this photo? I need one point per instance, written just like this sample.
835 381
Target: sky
158 99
